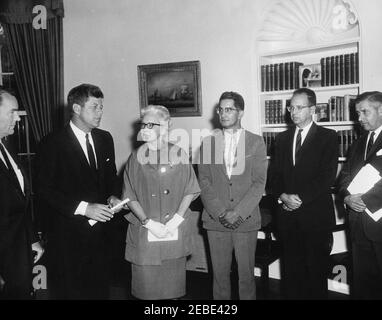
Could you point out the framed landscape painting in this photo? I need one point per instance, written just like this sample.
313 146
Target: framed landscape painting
173 85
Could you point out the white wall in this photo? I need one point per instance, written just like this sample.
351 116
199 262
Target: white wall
105 41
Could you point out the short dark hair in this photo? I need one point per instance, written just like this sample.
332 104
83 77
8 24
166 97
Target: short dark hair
371 96
310 94
237 99
80 94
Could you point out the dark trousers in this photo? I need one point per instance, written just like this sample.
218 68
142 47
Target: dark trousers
83 275
367 265
304 261
16 271
222 244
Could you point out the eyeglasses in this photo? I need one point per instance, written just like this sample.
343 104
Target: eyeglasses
297 108
148 125
220 110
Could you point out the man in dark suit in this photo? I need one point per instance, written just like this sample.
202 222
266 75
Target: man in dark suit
17 237
366 234
232 177
304 169
76 179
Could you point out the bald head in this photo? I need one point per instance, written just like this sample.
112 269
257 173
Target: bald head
8 113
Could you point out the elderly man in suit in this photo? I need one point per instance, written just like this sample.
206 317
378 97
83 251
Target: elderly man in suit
17 237
76 182
232 177
366 234
304 170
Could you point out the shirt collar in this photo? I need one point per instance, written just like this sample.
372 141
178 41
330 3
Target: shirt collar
230 132
306 129
377 132
78 132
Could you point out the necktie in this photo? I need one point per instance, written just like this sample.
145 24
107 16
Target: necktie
230 155
90 151
9 165
370 143
298 144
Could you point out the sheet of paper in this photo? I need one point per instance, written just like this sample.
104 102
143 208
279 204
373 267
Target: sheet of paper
152 238
365 179
376 215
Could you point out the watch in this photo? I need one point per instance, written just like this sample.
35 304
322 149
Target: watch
144 221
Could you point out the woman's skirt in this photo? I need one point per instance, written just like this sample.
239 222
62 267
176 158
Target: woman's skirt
165 281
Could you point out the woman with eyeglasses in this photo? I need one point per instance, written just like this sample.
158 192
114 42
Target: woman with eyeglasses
160 183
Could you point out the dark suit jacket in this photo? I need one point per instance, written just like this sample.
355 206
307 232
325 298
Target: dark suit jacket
243 191
63 180
311 178
16 229
373 198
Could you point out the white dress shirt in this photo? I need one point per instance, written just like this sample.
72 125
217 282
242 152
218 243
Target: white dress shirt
81 137
18 172
304 133
231 140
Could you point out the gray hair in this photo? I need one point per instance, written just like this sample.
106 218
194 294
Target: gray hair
161 111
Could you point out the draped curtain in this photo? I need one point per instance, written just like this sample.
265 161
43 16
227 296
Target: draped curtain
37 58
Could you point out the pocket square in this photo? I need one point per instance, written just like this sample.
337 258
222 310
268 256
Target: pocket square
379 153
108 159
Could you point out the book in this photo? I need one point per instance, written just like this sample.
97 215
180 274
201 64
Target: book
323 72
347 68
263 78
349 106
342 69
271 77
281 77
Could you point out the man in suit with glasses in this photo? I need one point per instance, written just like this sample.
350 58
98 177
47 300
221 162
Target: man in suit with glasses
232 177
303 171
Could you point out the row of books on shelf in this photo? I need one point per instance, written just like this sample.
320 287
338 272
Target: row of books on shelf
345 140
280 76
337 109
330 71
340 70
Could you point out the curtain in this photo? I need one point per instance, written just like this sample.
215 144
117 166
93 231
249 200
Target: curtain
37 59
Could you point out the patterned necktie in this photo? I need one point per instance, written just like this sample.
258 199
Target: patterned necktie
9 165
298 144
370 143
90 151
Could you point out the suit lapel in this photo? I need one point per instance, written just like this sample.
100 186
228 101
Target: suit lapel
218 152
376 146
308 141
16 184
289 146
98 150
74 144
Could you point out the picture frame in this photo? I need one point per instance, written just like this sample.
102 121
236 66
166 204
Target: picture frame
176 86
310 75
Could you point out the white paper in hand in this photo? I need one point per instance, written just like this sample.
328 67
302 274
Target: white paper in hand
169 237
122 203
365 179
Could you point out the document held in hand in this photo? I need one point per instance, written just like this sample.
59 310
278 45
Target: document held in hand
122 203
169 237
365 179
